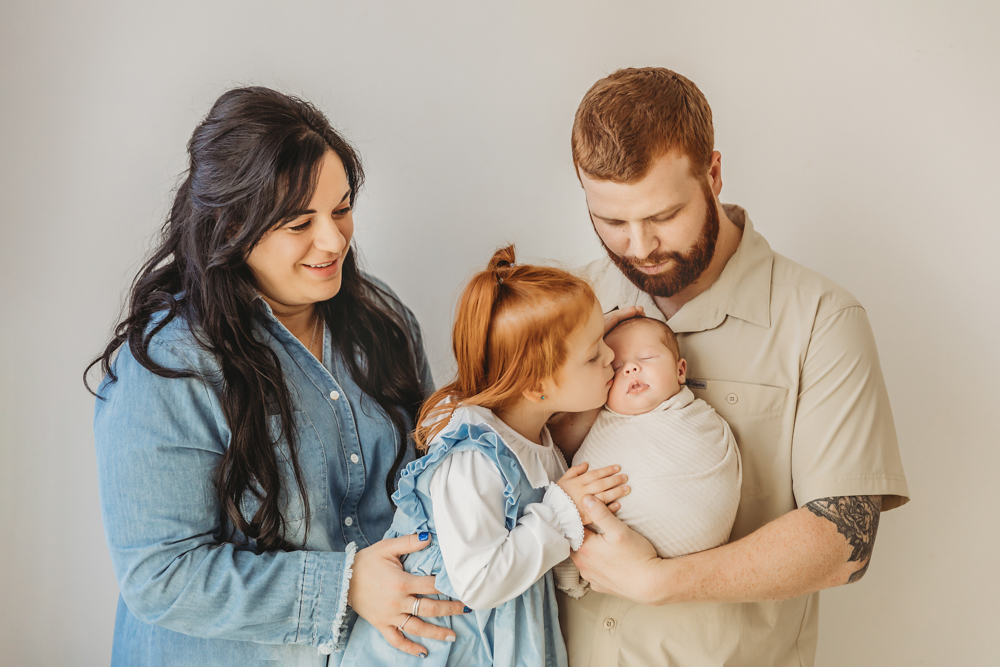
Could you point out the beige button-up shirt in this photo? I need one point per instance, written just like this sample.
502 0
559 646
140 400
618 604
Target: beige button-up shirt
787 357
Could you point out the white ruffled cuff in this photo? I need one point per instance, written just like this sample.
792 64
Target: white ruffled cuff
566 514
339 640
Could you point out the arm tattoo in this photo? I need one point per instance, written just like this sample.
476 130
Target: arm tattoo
856 518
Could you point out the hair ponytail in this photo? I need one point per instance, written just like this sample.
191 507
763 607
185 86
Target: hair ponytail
510 334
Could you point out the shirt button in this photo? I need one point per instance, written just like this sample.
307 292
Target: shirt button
348 521
354 458
732 399
334 395
609 624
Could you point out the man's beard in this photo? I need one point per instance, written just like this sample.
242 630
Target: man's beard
685 268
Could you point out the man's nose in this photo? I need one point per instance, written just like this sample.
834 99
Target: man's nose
642 240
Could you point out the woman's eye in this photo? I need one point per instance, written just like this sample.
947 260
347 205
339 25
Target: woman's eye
299 228
343 211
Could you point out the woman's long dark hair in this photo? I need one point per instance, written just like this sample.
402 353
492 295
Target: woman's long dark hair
254 162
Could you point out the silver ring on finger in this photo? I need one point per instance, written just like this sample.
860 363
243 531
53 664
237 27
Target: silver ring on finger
400 627
416 607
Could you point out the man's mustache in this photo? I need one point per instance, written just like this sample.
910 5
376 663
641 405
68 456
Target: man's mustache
653 260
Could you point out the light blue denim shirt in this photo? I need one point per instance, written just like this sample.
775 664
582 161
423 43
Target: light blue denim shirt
185 598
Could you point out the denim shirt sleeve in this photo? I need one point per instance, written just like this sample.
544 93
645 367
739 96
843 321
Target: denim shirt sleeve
159 442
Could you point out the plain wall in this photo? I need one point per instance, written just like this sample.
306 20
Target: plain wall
862 138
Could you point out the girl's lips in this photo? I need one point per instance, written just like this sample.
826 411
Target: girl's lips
324 271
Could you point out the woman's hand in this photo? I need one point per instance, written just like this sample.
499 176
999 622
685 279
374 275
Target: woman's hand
619 560
615 317
602 483
382 593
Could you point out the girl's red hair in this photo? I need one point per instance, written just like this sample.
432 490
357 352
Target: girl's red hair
510 333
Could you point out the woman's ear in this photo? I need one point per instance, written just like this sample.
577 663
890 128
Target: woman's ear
682 367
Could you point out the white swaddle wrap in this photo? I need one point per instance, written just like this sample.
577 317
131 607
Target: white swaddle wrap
684 469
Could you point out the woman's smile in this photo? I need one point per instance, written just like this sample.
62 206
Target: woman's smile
324 270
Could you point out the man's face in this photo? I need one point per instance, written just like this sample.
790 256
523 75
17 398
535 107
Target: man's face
660 231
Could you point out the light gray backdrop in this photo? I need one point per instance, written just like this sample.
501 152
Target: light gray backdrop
862 137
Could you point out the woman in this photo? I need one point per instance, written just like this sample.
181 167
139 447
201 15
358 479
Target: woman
251 427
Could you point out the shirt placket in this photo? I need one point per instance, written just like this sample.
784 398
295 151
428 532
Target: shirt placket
350 443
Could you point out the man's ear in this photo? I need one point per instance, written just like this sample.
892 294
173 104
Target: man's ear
715 173
682 367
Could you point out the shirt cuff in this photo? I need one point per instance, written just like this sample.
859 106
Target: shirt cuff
566 514
568 579
338 637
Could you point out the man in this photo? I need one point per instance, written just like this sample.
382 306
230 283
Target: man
785 355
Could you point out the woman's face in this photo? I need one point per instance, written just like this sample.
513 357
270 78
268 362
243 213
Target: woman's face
299 263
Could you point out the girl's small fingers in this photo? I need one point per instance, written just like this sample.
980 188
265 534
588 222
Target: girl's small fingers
419 628
606 483
600 473
610 496
614 507
578 469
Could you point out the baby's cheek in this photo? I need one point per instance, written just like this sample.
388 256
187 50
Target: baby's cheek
615 397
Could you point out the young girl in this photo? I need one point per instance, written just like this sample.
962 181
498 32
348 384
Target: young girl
529 343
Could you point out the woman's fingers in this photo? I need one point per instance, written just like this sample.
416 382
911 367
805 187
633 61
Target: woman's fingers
420 628
614 507
398 641
418 585
397 546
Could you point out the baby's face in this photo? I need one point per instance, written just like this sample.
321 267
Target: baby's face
646 371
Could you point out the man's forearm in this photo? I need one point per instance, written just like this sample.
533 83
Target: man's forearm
826 543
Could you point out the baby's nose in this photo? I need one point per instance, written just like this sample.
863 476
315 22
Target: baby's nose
631 368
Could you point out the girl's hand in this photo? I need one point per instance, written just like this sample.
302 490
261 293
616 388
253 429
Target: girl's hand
612 319
382 593
603 484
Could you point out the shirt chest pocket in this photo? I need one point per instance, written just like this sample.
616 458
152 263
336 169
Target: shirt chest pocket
312 464
756 414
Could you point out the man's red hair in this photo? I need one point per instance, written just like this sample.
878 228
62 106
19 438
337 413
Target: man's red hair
630 118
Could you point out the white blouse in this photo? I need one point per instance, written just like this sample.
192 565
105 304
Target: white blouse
486 563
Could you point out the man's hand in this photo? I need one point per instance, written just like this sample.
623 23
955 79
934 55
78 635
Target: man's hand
619 315
619 560
817 546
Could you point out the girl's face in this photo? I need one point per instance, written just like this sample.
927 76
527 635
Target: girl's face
584 380
299 263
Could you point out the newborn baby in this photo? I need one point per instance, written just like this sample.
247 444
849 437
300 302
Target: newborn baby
679 454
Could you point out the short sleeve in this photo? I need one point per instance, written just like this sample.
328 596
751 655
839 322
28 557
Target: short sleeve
844 440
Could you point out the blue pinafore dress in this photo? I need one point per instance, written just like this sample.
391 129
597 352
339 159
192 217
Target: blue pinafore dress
522 632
